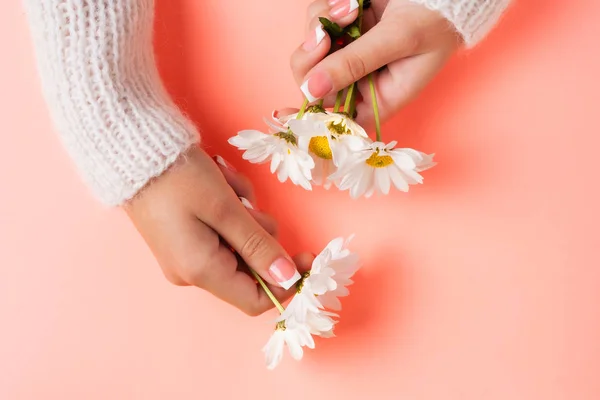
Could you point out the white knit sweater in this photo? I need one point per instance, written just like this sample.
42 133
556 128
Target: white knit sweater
473 19
108 103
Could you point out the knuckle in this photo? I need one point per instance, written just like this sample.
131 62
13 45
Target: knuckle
221 209
195 273
356 66
255 245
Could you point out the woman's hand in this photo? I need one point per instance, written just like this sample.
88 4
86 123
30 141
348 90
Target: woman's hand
411 40
192 217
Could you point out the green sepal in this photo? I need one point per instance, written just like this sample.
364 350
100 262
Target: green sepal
353 31
333 29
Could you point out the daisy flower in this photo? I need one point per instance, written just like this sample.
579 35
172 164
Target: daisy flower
374 167
281 149
295 336
323 135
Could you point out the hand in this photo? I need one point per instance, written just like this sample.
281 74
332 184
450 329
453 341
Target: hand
411 40
191 217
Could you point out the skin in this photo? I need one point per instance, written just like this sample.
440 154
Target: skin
411 41
191 215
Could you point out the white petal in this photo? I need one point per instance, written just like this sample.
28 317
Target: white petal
330 301
275 161
274 349
366 182
382 177
391 145
403 160
294 346
398 179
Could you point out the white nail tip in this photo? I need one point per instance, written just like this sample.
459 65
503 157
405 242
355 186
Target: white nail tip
320 34
290 282
246 203
353 5
221 161
307 93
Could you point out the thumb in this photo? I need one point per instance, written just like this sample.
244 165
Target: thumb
378 47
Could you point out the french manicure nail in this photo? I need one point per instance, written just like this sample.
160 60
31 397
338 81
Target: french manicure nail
314 39
343 9
317 86
247 203
221 161
284 273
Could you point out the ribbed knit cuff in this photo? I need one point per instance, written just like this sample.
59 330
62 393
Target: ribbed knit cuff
473 19
106 98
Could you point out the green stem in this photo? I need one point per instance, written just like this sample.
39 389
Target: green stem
338 101
302 110
321 103
360 14
349 97
268 291
375 107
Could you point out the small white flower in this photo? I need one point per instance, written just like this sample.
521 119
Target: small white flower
305 315
281 148
294 335
374 167
324 135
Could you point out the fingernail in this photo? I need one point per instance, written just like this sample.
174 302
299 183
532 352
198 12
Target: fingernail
284 273
247 203
332 3
221 161
314 39
317 86
343 9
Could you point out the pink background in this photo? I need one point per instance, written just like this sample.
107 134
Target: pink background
481 284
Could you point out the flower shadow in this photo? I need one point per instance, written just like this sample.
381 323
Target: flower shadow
367 307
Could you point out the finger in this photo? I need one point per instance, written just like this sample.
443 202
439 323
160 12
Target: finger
235 284
265 220
261 251
223 279
240 184
317 43
398 84
380 46
304 261
342 12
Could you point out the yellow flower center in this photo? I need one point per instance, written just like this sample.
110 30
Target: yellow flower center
377 161
319 145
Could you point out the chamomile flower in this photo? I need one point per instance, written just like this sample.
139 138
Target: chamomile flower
295 336
323 135
375 167
281 149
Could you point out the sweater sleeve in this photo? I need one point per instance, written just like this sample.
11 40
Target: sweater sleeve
473 19
99 77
